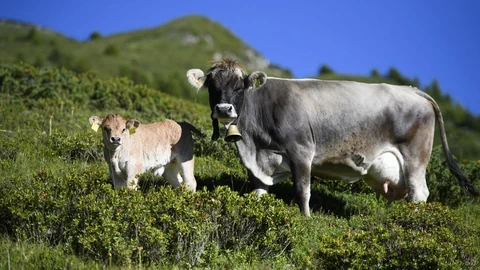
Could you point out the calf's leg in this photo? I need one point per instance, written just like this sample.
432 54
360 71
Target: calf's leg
171 174
187 171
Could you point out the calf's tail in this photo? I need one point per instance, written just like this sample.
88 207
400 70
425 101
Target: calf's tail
452 164
191 128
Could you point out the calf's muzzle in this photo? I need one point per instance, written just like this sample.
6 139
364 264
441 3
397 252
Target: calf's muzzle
115 140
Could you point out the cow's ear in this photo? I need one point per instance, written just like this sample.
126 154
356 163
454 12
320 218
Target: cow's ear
196 78
256 79
133 123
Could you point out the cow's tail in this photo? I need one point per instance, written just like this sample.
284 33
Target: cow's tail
192 128
452 164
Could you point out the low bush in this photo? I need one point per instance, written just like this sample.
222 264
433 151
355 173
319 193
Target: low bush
24 255
407 236
78 208
443 186
80 146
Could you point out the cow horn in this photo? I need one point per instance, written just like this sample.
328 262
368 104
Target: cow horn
233 134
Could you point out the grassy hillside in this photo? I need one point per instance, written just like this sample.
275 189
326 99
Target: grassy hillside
158 57
58 208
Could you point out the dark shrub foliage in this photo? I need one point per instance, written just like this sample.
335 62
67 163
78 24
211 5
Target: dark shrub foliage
325 69
111 50
409 236
95 35
78 207
443 186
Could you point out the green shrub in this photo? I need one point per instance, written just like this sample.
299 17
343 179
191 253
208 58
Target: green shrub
77 207
82 146
408 236
111 50
443 186
9 145
33 36
95 35
24 255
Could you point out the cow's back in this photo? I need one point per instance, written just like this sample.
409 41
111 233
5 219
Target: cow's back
334 110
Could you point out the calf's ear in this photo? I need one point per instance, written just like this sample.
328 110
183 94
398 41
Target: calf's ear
196 78
133 123
95 119
95 122
256 79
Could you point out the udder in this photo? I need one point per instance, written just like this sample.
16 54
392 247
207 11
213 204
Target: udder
386 178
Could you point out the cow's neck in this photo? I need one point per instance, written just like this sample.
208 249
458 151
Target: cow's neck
251 117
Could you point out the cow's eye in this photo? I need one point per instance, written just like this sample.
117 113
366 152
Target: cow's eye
107 129
123 131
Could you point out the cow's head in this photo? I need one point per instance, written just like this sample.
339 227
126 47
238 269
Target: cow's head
115 130
227 83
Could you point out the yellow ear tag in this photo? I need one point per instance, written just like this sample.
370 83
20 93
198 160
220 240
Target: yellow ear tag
132 130
95 126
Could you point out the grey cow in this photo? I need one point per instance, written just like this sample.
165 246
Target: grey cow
333 129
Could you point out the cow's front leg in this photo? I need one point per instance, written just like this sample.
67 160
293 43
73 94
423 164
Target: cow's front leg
301 178
258 186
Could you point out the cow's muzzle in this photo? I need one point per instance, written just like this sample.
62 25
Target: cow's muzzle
224 112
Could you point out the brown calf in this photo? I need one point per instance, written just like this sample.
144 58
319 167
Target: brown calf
165 148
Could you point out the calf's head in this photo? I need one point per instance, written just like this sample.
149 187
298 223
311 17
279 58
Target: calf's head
227 83
115 130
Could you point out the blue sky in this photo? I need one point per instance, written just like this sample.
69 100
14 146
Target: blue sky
424 39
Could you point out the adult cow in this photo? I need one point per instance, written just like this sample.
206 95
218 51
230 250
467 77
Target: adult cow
165 148
333 129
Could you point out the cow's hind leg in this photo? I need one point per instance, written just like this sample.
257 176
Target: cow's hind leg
415 168
416 183
416 155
